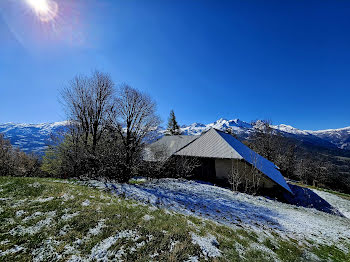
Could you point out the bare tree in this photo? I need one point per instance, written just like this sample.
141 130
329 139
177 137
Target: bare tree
235 176
255 174
264 139
305 169
135 119
107 129
89 102
244 176
272 145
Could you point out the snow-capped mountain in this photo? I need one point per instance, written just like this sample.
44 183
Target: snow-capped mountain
339 137
35 137
31 138
334 138
237 126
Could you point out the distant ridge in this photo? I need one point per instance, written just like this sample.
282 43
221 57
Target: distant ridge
33 138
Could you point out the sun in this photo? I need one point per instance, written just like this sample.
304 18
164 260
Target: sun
46 10
40 6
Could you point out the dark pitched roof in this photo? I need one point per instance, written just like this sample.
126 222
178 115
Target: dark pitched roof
213 144
218 144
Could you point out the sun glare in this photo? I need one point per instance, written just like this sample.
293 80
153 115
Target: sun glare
40 6
46 10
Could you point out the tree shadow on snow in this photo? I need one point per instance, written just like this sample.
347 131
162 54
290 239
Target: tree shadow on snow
203 200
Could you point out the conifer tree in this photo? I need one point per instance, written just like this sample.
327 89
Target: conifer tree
173 126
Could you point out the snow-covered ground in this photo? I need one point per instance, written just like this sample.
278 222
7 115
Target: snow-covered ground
238 209
339 203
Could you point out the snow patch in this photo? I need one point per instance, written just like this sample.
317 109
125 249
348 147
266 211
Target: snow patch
104 197
4 242
13 250
19 203
67 217
10 221
264 249
100 251
76 258
47 251
67 197
153 208
43 200
20 213
192 259
96 230
147 217
172 245
21 230
64 230
32 216
207 244
86 203
35 185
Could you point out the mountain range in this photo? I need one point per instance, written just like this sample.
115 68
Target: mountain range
33 138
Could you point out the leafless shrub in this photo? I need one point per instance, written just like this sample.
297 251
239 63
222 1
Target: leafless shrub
244 176
181 166
235 176
14 162
164 165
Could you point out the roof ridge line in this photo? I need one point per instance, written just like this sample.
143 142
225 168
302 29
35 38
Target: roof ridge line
187 144
227 142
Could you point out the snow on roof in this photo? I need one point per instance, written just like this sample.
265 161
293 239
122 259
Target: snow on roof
217 144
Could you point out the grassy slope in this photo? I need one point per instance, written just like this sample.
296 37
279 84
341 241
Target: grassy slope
52 235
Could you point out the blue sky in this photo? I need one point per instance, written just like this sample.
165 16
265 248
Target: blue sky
288 61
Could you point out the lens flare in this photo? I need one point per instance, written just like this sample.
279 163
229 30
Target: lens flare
40 6
46 10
